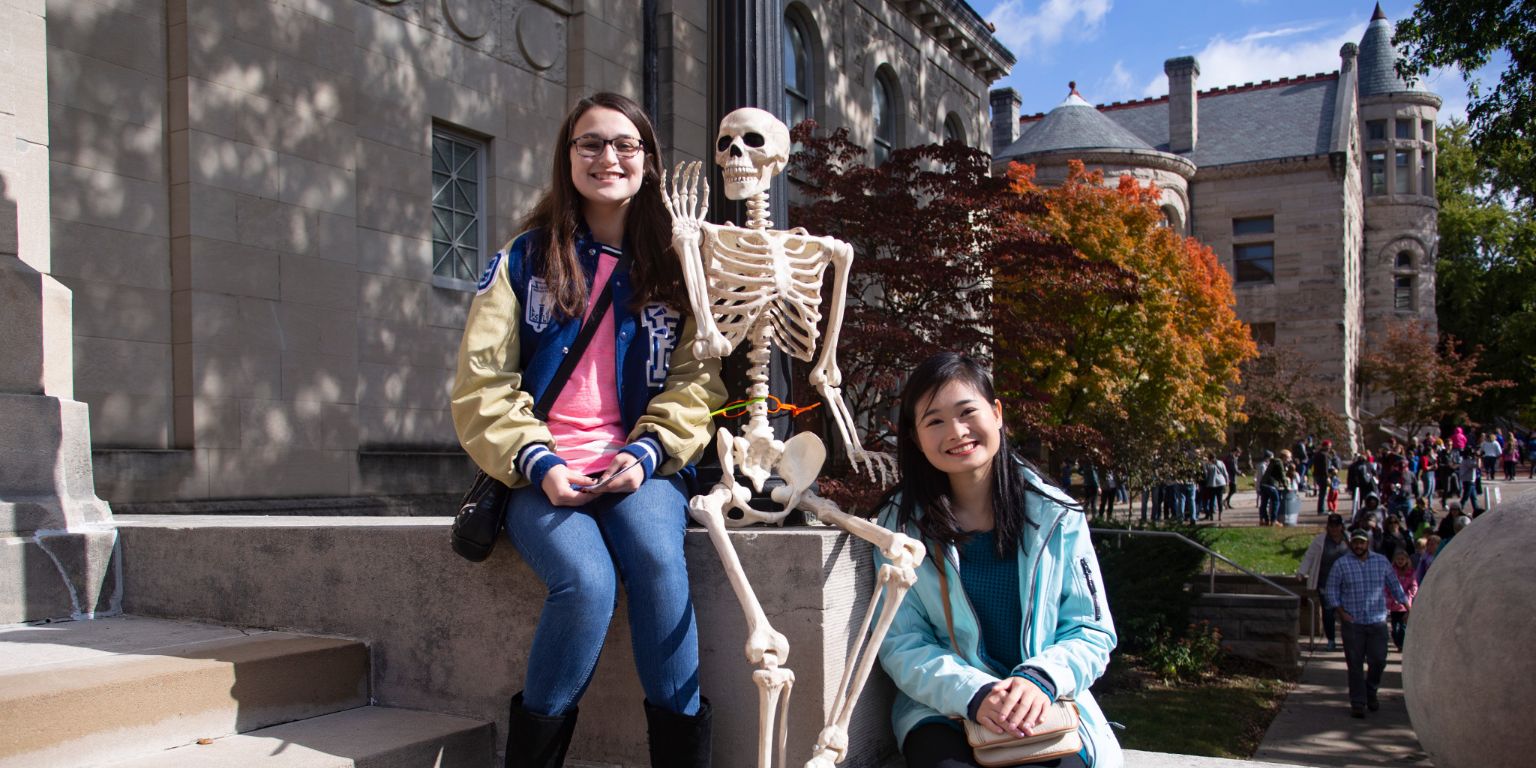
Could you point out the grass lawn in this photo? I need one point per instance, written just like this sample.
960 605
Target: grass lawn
1273 550
1223 716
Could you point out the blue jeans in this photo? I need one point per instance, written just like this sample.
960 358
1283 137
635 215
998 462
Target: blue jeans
581 554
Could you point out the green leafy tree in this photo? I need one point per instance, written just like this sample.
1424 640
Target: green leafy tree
1466 35
1486 276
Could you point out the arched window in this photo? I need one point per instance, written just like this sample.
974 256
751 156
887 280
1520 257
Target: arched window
798 83
1404 260
1405 282
884 112
954 129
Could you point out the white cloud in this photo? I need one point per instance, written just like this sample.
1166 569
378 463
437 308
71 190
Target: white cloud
1266 34
1029 32
1255 57
1118 85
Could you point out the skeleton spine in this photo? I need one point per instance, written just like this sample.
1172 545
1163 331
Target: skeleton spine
757 212
758 355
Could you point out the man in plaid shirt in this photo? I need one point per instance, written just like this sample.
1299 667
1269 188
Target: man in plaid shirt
1357 588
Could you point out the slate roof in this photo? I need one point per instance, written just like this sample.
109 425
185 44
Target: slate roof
1243 124
1378 60
1073 124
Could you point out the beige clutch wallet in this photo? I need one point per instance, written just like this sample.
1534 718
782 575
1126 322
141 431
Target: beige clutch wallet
1056 736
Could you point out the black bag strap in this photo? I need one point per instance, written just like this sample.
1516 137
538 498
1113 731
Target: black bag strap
573 355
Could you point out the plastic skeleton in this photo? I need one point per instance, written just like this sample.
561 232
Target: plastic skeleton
763 286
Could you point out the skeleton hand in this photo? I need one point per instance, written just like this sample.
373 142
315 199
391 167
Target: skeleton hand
686 204
881 466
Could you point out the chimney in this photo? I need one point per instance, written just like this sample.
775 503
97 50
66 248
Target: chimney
1005 119
1183 103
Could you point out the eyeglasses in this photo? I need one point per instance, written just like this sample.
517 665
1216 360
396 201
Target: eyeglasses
592 146
739 408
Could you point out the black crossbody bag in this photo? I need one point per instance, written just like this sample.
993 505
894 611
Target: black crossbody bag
481 514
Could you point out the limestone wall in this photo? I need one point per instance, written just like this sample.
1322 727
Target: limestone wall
856 40
1258 627
242 205
1308 300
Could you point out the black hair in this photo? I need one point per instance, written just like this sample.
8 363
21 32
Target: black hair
924 487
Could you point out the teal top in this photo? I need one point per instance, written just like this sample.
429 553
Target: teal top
991 583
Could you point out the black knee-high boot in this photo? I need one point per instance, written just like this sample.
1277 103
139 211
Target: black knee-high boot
537 741
678 741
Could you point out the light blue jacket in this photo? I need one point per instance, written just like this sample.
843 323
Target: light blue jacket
1067 632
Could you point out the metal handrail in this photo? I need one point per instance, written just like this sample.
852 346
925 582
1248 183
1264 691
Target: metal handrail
1197 545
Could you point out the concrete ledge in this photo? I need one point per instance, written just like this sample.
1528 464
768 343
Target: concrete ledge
452 636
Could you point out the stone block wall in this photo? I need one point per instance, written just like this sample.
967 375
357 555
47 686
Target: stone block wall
451 636
1308 300
242 207
1259 627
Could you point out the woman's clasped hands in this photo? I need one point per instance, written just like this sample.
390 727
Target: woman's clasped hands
1014 706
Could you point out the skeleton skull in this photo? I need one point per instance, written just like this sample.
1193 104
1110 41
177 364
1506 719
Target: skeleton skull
752 148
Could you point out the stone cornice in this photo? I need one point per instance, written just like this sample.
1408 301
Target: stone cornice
1421 98
956 26
1159 161
1263 167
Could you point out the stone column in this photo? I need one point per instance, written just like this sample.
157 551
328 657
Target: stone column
1005 119
56 536
1183 103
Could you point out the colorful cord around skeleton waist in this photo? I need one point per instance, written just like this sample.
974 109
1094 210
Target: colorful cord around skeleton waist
739 408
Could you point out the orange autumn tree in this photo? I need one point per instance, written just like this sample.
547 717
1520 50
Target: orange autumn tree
1145 367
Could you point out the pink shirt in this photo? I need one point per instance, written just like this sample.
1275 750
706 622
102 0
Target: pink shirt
585 419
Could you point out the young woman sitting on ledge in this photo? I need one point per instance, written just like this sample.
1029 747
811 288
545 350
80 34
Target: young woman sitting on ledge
1023 622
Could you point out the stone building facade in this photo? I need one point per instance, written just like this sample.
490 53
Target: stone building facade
271 213
1316 191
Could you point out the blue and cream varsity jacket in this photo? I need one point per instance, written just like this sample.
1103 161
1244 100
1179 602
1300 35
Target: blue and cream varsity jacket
514 342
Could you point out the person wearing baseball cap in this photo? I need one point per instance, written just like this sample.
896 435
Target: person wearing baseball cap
1357 590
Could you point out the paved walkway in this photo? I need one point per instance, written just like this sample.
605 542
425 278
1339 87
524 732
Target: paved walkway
1313 727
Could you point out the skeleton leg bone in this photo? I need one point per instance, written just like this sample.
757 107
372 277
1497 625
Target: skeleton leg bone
895 578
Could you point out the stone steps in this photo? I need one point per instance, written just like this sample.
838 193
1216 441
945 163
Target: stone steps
138 691
366 737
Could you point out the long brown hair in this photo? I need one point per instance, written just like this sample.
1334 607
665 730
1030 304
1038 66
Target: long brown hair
654 270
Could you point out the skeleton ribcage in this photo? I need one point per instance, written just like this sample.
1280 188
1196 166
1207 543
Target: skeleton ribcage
767 277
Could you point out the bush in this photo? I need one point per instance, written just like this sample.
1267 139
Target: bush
1191 657
1144 579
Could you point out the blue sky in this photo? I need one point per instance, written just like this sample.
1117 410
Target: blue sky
1115 49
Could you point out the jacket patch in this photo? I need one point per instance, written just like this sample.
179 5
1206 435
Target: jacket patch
489 276
662 324
539 311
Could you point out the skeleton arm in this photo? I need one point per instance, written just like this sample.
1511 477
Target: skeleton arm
692 238
827 379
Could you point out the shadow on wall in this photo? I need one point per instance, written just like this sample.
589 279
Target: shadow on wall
267 309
